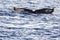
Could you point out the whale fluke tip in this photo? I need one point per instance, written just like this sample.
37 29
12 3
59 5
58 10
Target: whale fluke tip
53 10
14 8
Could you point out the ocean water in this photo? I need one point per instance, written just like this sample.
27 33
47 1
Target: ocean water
28 26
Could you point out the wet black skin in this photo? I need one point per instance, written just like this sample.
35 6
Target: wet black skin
44 10
28 10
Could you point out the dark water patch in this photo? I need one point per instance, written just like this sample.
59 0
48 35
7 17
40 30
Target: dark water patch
7 31
53 36
5 22
38 28
24 23
36 33
48 34
59 35
44 19
4 36
2 27
10 27
22 16
28 38
1 39
11 33
7 13
13 28
56 27
16 34
31 3
47 30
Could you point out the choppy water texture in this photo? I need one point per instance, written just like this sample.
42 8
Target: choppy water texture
28 26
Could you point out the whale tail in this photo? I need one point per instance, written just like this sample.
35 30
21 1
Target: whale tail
53 10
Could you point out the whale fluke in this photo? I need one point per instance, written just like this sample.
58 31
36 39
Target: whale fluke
43 10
